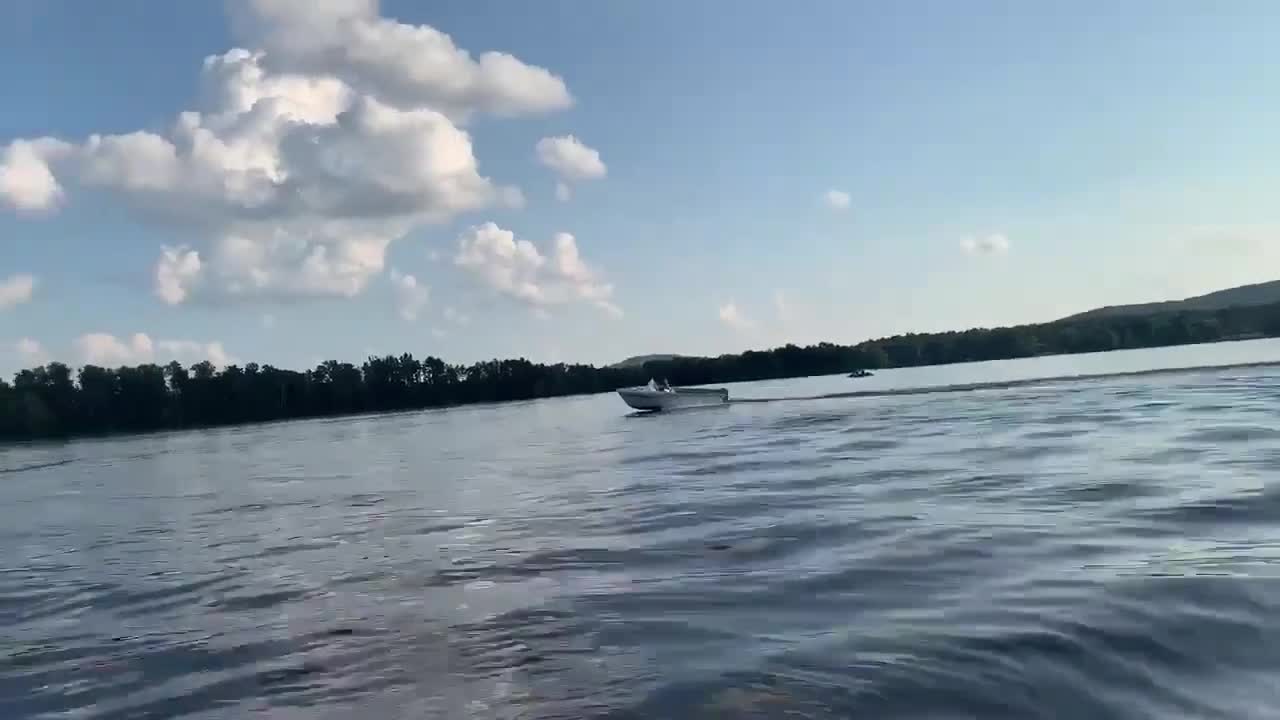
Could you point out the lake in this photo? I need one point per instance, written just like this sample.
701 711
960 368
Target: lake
1103 548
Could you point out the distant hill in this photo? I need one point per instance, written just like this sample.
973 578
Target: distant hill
638 361
1243 296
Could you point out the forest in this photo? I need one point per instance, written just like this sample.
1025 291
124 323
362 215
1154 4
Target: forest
56 401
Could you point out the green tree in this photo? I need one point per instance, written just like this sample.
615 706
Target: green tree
52 401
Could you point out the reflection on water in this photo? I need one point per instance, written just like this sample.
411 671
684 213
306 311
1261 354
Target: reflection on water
1100 549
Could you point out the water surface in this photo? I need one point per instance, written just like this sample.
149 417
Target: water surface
1094 549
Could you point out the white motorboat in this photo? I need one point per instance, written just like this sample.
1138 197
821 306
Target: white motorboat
664 397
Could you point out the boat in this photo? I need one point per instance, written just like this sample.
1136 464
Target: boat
655 397
860 373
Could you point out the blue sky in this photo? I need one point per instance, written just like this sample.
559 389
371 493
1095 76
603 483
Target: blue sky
1002 162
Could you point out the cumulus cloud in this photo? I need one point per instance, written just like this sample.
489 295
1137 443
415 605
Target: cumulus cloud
731 316
27 183
516 268
108 350
411 296
836 200
995 244
335 259
31 351
16 290
332 134
571 160
410 65
177 271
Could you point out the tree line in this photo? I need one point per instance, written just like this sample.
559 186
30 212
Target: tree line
55 401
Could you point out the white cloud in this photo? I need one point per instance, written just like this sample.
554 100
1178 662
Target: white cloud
571 159
108 350
506 264
411 297
516 268
307 259
31 352
16 290
27 183
410 65
837 199
613 309
333 134
995 244
268 321
730 315
193 351
176 272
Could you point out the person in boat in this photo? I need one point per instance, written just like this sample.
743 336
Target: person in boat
663 386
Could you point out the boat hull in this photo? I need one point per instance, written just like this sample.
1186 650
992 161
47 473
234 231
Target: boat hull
643 398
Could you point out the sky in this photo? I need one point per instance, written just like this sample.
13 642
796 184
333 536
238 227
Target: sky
288 181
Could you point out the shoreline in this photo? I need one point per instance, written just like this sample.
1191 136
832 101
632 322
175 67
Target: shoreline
852 394
1009 384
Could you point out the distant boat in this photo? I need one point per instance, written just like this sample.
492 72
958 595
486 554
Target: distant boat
664 397
860 373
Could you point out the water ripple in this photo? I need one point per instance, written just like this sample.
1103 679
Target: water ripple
1096 549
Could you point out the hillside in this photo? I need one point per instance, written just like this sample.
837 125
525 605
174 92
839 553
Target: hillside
638 361
1243 296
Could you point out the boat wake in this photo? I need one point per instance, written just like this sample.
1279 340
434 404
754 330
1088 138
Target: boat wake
1005 384
682 410
651 398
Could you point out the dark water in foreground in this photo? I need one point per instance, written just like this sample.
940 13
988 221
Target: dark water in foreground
1103 549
